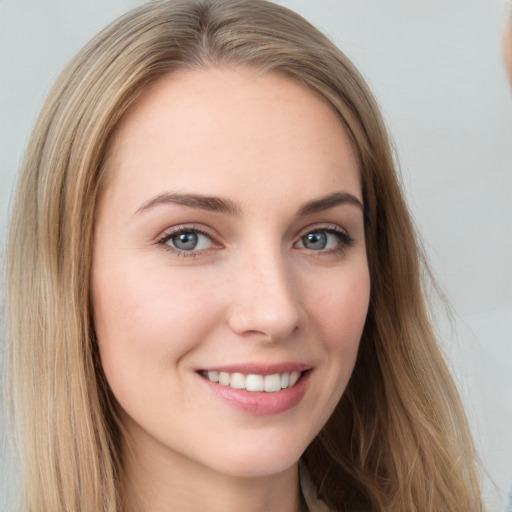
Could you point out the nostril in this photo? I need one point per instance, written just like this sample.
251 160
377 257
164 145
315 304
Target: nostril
265 300
272 321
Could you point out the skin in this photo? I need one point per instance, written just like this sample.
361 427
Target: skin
507 48
251 291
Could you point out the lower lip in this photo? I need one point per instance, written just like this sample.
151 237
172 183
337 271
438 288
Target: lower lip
261 403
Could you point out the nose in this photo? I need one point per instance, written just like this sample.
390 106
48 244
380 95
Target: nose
266 300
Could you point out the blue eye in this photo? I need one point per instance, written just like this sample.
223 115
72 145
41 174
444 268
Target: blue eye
315 241
325 240
187 240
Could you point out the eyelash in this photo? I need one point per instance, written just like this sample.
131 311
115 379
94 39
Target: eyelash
345 240
162 241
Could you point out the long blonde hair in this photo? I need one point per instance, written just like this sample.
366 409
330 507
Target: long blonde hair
398 440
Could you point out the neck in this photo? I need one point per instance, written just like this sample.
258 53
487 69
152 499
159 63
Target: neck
156 483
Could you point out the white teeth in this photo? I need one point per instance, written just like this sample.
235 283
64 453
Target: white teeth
272 383
294 377
237 381
213 376
253 382
224 378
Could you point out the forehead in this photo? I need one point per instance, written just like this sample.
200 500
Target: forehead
196 126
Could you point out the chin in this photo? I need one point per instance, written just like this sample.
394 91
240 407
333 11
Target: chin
258 461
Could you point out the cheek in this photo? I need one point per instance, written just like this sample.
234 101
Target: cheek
337 311
340 308
144 321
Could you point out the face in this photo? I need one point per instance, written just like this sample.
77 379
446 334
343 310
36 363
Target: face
507 48
230 281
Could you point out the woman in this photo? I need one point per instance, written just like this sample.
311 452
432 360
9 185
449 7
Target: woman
211 274
507 43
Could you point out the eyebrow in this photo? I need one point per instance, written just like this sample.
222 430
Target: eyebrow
213 204
217 204
330 201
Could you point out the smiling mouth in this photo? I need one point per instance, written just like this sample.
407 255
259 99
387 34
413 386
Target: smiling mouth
254 382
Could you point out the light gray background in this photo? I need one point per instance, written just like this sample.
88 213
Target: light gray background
435 67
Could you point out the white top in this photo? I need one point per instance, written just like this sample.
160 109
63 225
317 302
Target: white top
313 503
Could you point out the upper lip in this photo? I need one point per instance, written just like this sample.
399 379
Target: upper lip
260 368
